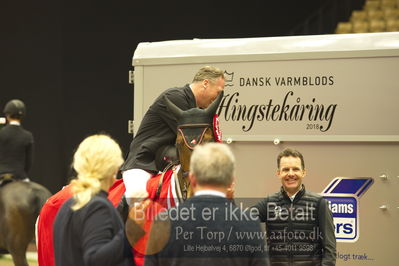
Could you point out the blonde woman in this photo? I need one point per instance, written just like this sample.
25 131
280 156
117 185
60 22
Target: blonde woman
88 230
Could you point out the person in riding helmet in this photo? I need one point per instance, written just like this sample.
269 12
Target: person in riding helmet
16 143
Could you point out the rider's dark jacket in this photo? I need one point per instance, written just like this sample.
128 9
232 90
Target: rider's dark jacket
157 128
299 231
16 151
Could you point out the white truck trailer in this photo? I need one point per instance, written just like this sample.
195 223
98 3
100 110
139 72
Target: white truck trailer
332 97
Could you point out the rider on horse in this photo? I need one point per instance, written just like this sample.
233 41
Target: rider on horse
20 202
16 144
157 133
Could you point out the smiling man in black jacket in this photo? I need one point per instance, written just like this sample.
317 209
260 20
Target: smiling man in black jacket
299 223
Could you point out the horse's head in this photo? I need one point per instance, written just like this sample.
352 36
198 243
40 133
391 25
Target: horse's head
194 127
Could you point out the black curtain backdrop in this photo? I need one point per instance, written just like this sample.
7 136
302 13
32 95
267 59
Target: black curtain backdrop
69 61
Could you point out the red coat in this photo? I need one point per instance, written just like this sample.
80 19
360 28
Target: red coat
45 249
50 209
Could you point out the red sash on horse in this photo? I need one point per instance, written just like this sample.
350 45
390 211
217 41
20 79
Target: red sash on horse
161 197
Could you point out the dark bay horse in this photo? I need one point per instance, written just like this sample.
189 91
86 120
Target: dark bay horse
20 204
195 126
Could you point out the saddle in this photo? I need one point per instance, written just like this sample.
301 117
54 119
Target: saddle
6 179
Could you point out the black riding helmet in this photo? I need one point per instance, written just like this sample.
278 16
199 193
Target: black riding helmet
15 109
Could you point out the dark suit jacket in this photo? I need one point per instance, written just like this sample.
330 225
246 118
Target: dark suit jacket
157 128
92 235
16 151
205 230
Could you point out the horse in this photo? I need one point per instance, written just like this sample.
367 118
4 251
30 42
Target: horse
20 204
194 126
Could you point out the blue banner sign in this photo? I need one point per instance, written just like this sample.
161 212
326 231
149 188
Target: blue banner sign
343 195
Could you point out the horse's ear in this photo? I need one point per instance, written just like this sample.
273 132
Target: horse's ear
176 111
211 110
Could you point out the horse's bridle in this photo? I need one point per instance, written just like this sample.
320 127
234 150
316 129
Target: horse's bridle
189 145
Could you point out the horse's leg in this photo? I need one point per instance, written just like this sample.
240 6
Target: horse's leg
17 246
19 256
21 232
